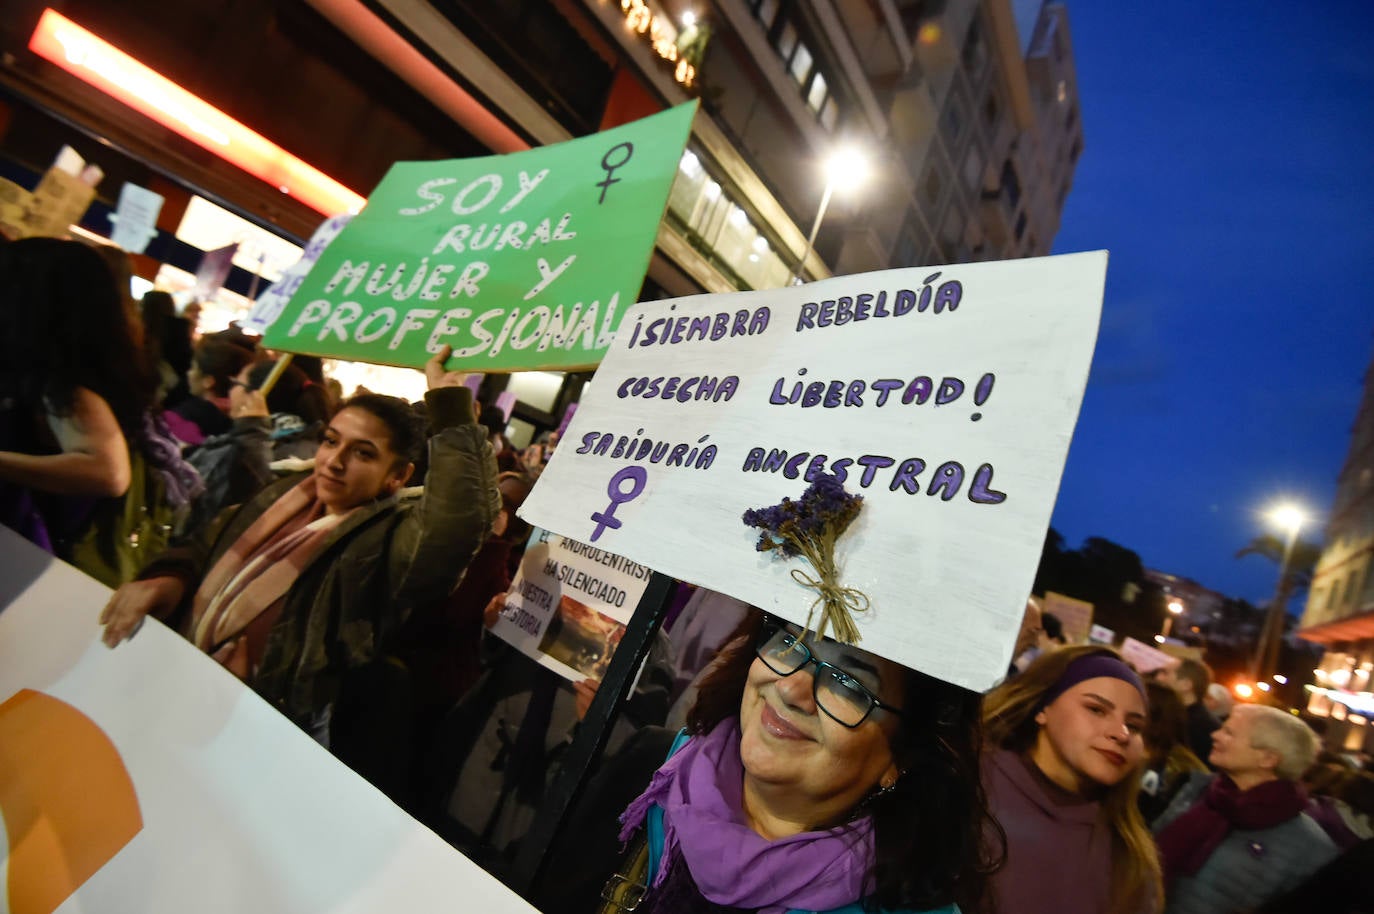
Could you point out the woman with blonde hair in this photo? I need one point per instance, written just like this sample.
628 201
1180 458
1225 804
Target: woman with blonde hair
1062 770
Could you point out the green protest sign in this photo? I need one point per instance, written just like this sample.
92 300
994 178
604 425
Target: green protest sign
520 261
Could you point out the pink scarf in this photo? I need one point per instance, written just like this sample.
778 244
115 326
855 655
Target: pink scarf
701 792
260 566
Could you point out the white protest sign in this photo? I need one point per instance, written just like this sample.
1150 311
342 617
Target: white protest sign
1101 634
1075 615
135 218
945 396
59 200
149 779
1144 657
213 271
569 604
269 305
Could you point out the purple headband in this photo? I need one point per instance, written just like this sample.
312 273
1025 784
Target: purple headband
1093 666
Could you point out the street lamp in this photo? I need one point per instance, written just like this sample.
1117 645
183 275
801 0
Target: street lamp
1175 610
846 168
1290 519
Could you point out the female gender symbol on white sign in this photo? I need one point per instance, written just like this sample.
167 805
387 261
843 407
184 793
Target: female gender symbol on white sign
637 477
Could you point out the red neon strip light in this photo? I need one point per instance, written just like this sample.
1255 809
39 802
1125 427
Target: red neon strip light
87 57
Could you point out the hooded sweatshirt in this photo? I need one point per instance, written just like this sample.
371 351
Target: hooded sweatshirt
1059 847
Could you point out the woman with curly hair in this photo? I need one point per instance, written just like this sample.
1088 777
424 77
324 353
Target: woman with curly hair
73 388
813 776
1062 770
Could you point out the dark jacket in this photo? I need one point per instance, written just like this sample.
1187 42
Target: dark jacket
235 466
208 417
1201 725
499 750
384 559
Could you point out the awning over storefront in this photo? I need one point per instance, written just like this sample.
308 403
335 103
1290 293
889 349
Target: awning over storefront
1351 628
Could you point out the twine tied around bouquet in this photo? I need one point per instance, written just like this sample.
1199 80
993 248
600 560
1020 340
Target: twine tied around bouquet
809 528
838 605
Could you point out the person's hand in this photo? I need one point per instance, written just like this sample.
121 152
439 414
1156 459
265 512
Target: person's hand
584 692
134 602
493 610
532 459
244 402
439 376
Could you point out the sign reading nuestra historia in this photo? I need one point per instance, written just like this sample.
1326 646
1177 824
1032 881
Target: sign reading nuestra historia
520 261
945 396
569 604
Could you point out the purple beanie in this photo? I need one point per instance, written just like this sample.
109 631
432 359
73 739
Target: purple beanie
1093 666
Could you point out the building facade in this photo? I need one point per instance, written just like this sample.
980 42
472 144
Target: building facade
967 111
1200 607
1339 614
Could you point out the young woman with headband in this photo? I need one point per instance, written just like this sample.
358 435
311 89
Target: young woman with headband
1062 770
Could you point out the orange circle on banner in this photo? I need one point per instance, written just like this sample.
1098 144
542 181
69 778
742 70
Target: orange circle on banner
67 800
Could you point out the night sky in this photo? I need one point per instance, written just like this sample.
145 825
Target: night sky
1229 169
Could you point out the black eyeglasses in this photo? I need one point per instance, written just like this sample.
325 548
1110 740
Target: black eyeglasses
842 697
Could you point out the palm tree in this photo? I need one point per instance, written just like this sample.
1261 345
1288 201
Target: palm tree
1301 563
1296 566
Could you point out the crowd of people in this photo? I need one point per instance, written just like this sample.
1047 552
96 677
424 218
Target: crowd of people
344 557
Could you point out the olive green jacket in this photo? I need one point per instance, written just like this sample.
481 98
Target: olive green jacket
382 560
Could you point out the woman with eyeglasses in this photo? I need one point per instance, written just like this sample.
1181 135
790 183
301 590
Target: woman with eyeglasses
812 776
1062 771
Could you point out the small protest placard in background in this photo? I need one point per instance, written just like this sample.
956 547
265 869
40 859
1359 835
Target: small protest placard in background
520 261
135 218
569 604
59 200
213 271
945 396
1101 634
1075 615
1144 657
14 199
270 304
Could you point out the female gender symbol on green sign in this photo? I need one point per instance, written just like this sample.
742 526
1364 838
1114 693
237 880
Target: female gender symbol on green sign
607 167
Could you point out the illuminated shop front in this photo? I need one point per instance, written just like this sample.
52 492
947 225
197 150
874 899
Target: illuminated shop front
130 101
1343 687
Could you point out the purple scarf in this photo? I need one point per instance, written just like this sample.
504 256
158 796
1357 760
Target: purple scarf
700 790
159 448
